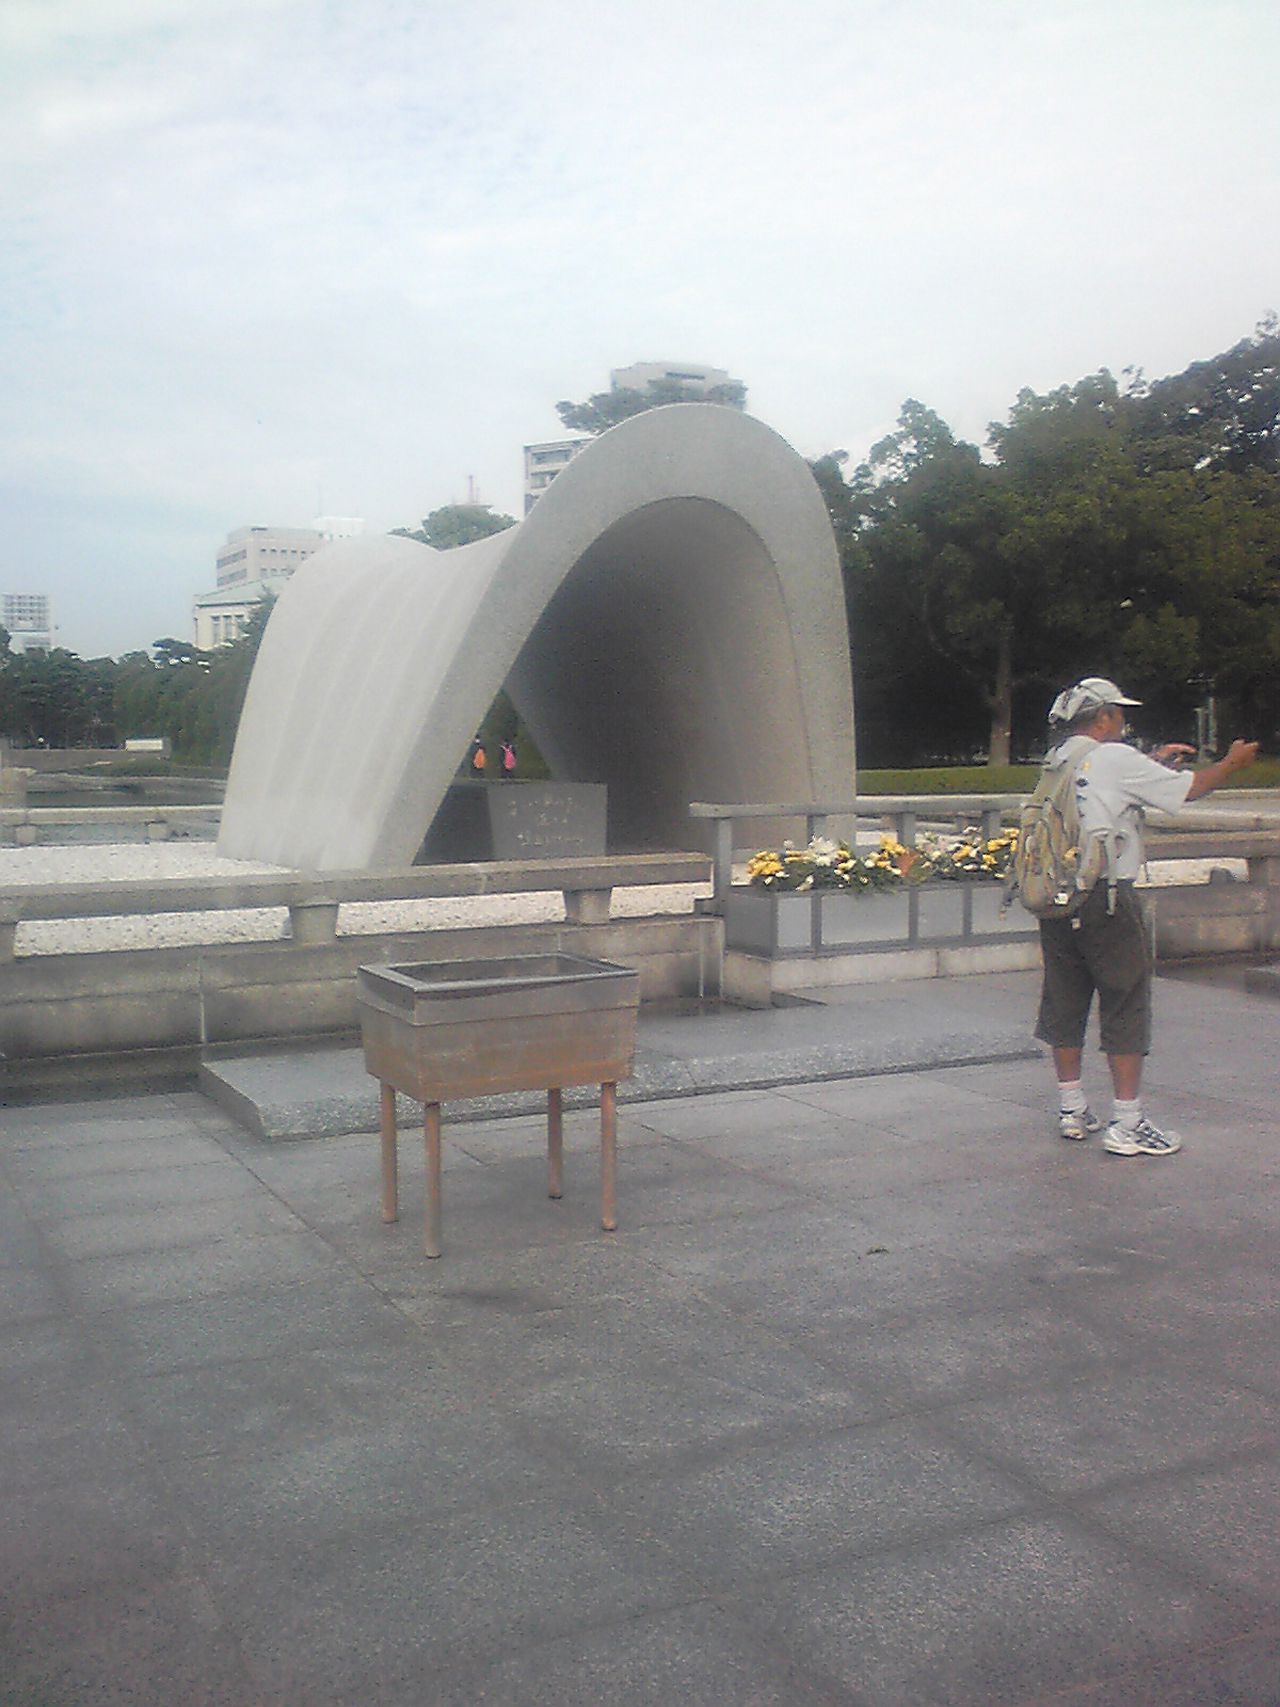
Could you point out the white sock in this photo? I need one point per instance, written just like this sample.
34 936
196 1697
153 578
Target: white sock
1126 1113
1071 1097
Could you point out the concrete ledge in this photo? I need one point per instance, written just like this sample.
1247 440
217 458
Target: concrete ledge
1218 918
87 1020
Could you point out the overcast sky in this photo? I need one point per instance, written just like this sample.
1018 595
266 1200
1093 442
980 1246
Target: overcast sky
264 259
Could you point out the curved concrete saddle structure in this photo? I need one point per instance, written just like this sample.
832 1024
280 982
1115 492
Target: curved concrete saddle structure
669 620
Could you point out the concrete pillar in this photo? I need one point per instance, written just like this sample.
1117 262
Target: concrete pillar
722 873
313 923
1264 876
13 786
587 906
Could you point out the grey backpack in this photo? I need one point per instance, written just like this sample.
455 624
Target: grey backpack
1052 873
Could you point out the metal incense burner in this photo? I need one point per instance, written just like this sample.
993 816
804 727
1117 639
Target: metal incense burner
436 1030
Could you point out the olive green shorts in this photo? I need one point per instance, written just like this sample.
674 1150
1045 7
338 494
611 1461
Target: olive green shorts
1107 952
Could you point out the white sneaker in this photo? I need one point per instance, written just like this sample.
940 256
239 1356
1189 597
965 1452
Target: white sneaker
1144 1139
1077 1124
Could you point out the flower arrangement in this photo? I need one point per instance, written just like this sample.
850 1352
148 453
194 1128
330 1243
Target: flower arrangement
969 856
826 864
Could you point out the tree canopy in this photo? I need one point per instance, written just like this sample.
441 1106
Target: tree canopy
606 408
57 699
1131 532
458 524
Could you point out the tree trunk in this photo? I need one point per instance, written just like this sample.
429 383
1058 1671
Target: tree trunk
999 752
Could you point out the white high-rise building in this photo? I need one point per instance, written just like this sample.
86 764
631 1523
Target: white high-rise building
265 554
543 462
254 564
641 375
27 618
339 527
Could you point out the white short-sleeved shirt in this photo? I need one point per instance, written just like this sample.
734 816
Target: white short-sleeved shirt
1113 786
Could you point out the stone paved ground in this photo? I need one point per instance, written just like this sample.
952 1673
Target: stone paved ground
880 1394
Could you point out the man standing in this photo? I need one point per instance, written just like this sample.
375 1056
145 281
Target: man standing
1106 945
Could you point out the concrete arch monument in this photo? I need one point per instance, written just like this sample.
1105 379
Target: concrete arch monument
669 620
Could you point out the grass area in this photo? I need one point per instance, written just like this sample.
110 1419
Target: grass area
951 779
124 765
1013 779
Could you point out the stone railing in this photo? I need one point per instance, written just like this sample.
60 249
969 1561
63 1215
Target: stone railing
1217 918
31 826
105 1019
313 899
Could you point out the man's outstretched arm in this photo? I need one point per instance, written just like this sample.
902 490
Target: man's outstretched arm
1237 756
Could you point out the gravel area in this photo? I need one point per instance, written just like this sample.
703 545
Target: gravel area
133 862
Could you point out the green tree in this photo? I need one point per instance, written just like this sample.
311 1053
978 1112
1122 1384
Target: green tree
1098 533
52 698
606 408
193 697
1177 548
174 652
937 595
7 704
1223 413
457 524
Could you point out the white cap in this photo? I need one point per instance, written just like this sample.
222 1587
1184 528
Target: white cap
1091 694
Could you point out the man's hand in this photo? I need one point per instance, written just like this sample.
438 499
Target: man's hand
1237 756
1172 754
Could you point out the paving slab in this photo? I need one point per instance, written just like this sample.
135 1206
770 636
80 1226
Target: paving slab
906 1625
879 1394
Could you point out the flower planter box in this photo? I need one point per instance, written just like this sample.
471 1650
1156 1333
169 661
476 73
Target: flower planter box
940 911
782 924
864 921
985 900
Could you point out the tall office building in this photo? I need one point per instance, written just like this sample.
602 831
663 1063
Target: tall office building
264 554
254 564
542 462
692 375
27 618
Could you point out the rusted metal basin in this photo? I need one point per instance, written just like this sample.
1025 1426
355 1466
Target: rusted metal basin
451 1028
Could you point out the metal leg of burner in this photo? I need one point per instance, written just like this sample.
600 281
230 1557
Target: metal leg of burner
387 1128
431 1132
609 1157
555 1143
